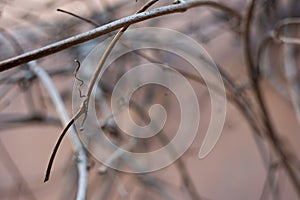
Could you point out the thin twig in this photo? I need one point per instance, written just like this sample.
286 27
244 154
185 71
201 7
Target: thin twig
77 16
78 79
63 114
83 37
84 106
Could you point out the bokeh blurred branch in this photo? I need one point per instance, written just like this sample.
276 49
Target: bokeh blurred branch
249 97
270 131
79 150
63 115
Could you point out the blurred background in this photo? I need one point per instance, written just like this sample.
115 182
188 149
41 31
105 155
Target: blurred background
244 164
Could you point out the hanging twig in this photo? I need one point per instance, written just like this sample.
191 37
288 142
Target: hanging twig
84 106
61 110
79 17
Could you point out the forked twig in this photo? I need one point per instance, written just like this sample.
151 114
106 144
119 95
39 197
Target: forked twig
126 21
84 106
61 110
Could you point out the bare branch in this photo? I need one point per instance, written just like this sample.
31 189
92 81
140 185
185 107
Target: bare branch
126 21
270 132
84 106
61 110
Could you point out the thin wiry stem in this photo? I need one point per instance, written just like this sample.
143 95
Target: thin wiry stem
84 106
63 114
79 17
141 54
126 21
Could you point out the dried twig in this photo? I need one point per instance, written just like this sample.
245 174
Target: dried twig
61 110
84 106
126 21
77 16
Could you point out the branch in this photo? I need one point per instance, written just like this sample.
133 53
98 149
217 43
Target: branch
290 67
84 106
126 21
270 131
63 114
93 23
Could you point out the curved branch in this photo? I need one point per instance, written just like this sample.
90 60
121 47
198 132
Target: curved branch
63 114
285 22
84 106
270 131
